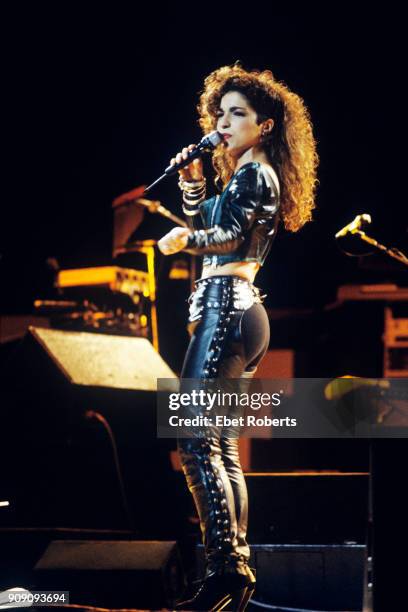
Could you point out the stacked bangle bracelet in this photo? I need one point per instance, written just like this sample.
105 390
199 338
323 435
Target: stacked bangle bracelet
193 194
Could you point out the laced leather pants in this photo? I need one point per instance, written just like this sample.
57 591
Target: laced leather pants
229 331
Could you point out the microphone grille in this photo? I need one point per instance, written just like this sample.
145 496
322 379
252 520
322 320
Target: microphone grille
214 138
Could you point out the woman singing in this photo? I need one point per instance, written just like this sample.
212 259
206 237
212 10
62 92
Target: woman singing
266 165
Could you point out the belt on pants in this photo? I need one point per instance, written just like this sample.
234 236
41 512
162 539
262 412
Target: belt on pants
222 292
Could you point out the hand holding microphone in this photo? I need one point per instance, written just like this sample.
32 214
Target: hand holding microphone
176 240
190 168
194 170
190 157
206 144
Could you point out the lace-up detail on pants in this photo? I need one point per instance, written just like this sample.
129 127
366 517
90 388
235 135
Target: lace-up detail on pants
221 346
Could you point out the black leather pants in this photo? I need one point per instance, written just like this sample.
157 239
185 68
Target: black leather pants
229 331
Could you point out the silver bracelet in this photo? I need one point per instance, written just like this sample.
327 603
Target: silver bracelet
192 186
190 213
193 198
196 199
193 195
192 205
193 202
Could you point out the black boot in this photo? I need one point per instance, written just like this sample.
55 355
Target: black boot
251 572
228 587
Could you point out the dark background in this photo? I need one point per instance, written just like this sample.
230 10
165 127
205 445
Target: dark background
97 102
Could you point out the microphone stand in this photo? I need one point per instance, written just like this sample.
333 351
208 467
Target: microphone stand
153 206
390 251
371 595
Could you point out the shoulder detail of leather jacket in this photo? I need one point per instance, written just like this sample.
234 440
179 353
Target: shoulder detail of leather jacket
241 222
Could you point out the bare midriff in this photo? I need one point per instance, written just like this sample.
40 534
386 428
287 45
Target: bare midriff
246 269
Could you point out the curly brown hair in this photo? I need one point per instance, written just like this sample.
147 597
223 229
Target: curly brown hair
291 147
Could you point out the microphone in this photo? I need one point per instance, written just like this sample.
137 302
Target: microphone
206 144
353 227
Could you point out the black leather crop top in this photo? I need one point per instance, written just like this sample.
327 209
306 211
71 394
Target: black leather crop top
241 223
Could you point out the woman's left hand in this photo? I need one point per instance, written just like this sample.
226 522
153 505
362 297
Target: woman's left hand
174 241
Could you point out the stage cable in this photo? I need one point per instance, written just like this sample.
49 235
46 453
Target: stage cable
91 414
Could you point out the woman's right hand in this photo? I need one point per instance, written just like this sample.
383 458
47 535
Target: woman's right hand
194 170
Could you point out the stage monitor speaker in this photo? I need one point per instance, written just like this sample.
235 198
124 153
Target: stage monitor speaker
63 463
112 574
99 360
56 376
